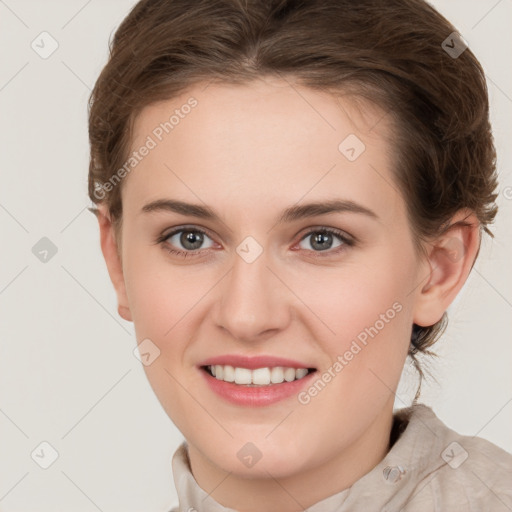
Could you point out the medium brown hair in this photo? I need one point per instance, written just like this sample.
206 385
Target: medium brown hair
386 51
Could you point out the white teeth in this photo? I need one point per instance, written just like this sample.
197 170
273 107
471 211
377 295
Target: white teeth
276 375
300 372
289 374
258 376
243 376
229 373
261 376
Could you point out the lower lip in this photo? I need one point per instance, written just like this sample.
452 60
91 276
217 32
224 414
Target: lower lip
255 396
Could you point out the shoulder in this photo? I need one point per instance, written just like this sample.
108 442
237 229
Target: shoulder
473 473
479 469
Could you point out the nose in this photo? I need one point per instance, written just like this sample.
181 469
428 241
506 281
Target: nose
253 303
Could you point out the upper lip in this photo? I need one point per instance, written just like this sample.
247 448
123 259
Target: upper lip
253 362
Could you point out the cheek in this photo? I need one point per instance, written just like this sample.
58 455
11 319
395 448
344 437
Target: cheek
364 316
349 299
159 294
165 303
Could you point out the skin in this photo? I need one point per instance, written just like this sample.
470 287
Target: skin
248 152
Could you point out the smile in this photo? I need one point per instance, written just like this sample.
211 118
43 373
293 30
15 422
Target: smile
258 377
255 381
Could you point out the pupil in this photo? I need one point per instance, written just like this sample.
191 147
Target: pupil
192 238
322 241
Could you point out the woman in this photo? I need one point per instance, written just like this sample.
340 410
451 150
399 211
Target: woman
290 194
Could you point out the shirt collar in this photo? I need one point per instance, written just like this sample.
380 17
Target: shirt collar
388 486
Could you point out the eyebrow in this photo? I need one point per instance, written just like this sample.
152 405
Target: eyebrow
289 215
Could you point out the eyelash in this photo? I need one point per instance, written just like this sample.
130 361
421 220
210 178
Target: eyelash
346 241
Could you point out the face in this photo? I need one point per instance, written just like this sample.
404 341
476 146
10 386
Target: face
295 265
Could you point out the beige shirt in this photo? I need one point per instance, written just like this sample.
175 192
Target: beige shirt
430 468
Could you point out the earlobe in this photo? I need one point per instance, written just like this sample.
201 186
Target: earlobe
112 259
450 259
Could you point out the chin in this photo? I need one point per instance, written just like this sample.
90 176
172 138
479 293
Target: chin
256 459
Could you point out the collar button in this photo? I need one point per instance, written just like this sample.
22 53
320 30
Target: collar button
393 474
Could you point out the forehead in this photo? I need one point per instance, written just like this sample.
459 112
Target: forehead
262 109
262 141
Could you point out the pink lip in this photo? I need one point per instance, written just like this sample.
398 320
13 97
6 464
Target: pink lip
254 396
253 362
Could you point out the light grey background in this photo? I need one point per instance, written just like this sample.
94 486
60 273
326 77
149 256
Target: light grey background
68 375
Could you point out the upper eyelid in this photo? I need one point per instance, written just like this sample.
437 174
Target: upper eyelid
166 234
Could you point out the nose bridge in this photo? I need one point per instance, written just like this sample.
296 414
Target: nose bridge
251 302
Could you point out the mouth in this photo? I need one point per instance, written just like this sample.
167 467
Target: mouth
266 376
255 381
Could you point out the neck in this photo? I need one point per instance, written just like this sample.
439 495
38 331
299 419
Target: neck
301 490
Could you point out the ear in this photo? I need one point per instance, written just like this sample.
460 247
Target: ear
113 261
450 258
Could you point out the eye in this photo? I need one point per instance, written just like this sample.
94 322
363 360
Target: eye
186 240
190 241
325 239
